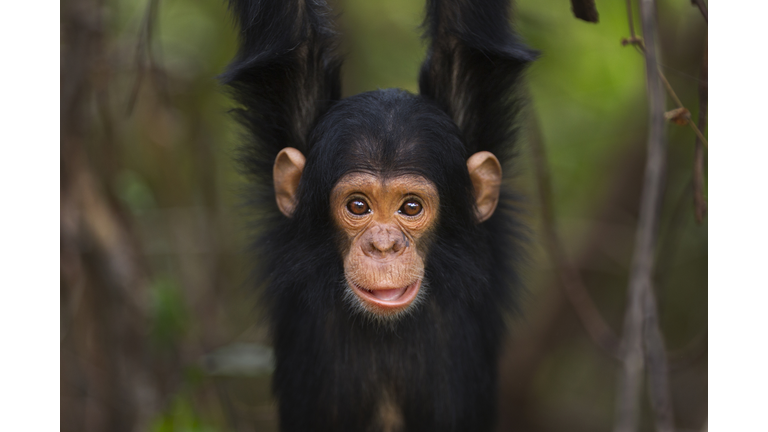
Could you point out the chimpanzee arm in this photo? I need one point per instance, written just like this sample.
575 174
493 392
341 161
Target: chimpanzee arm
472 66
285 75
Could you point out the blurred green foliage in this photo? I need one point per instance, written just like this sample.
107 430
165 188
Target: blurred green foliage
168 312
181 417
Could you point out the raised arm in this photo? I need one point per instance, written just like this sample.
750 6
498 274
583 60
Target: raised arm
284 76
472 67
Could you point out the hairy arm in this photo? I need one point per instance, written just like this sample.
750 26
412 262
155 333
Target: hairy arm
285 75
472 66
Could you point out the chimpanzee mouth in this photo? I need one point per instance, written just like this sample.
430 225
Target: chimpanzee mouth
388 299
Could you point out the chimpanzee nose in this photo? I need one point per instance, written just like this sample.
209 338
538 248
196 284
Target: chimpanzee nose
383 241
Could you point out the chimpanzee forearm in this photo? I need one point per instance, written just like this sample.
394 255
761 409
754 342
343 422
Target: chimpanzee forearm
472 67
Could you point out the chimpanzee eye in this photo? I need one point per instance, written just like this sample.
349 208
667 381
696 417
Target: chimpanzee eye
358 207
411 208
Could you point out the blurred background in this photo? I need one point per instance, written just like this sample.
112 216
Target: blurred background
160 330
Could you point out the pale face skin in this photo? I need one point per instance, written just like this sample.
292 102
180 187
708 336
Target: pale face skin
386 223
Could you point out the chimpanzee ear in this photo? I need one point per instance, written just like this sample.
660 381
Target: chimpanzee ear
485 172
289 164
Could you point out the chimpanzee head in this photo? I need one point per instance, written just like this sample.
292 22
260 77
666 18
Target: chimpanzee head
387 169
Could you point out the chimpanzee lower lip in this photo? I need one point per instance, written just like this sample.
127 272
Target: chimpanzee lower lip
388 298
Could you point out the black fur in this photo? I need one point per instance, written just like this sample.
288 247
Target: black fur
336 367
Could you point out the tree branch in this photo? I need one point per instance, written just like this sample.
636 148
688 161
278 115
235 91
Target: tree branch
681 115
658 369
645 241
679 104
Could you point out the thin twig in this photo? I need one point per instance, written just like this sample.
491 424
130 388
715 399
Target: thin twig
574 287
632 34
699 203
670 90
641 271
679 104
640 45
699 135
702 8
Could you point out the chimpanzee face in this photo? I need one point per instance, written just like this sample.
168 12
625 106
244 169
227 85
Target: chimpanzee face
385 225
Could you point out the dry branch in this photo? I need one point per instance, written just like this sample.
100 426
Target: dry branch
658 369
640 311
640 45
680 106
